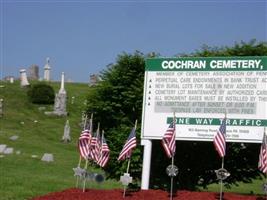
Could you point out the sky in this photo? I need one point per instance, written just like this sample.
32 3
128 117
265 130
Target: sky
83 37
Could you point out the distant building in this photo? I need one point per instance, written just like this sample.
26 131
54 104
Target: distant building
33 72
94 79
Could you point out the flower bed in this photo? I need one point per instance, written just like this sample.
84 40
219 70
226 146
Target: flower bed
90 194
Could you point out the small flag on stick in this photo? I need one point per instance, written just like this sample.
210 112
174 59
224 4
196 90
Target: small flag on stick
95 145
219 139
129 145
168 140
104 152
84 143
263 155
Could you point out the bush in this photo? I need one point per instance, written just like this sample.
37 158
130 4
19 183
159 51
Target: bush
41 93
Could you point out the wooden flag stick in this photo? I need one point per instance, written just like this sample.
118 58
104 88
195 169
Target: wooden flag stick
80 158
84 181
129 160
86 162
221 182
171 192
171 197
91 123
128 166
85 121
127 171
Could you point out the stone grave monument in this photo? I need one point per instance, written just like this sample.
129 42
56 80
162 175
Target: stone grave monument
48 157
23 78
47 69
11 80
34 72
66 135
60 101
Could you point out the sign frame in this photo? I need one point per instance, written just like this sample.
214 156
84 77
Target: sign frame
155 118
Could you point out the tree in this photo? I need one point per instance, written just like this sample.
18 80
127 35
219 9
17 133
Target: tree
41 93
117 102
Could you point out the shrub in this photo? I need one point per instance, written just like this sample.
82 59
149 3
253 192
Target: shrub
41 93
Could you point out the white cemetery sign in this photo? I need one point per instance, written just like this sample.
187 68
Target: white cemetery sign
200 91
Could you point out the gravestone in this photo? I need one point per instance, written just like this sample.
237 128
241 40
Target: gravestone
2 148
14 137
47 69
66 135
48 157
23 78
1 108
34 72
11 80
61 98
94 79
8 150
126 179
60 101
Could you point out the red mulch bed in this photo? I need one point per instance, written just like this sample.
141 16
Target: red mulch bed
90 194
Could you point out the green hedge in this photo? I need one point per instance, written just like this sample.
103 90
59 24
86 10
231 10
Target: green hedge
41 93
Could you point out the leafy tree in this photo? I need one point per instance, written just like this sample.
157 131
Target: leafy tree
41 93
117 103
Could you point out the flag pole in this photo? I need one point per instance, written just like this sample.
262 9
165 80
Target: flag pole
86 162
127 171
100 155
221 182
80 158
174 125
84 181
128 166
172 180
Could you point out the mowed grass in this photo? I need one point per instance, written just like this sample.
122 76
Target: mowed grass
255 187
24 177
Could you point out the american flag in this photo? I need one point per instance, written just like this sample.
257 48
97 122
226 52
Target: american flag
127 149
95 146
84 143
168 140
104 153
263 156
219 139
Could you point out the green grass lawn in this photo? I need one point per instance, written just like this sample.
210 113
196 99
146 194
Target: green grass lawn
256 187
23 177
